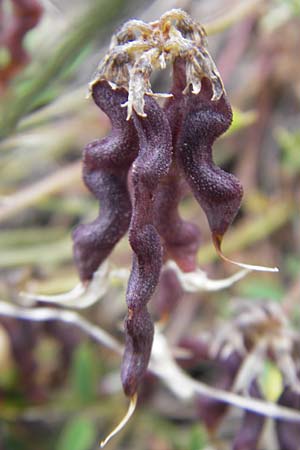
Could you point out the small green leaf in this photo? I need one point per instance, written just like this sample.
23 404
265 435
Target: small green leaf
78 434
241 120
197 438
271 382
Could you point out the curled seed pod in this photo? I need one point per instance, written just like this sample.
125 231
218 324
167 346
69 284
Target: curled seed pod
139 336
218 192
249 434
159 152
152 164
288 433
105 167
181 239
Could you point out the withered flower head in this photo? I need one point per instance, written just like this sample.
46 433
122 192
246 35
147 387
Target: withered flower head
138 49
153 155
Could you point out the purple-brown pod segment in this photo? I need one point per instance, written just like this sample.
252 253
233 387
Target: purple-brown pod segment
211 411
198 350
168 294
152 164
247 438
218 192
288 433
105 167
139 174
180 238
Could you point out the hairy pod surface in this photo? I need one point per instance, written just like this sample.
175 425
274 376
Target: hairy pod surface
168 294
218 192
105 167
152 164
181 238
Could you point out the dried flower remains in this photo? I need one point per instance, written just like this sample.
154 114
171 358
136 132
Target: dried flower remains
257 337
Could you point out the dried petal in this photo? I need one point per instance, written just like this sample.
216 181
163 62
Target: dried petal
139 48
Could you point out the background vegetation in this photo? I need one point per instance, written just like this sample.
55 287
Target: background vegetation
58 388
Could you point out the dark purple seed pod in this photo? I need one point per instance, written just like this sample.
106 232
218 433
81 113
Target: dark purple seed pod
139 336
105 167
180 238
168 294
198 349
175 106
152 164
211 411
288 433
218 192
23 337
251 429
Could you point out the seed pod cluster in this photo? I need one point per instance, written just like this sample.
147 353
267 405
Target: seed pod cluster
152 157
